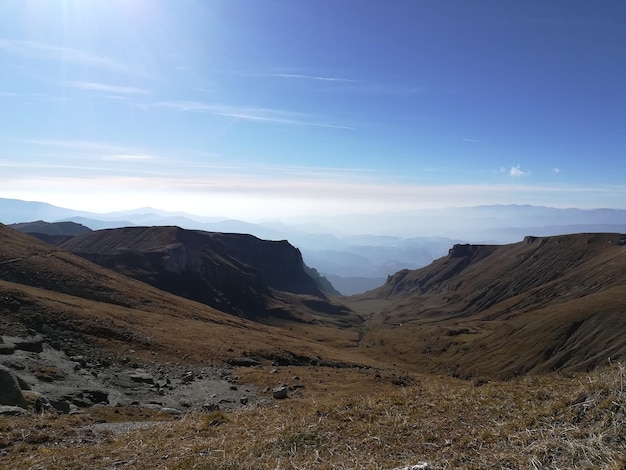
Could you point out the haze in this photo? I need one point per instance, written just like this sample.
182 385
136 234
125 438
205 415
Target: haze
266 109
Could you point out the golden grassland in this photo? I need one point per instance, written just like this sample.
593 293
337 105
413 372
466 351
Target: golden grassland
361 422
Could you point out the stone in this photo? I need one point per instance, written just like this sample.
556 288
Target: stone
10 390
62 406
243 362
37 401
280 393
13 411
207 407
141 376
172 411
7 348
419 466
32 344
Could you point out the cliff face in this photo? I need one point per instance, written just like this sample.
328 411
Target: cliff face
236 273
545 303
476 277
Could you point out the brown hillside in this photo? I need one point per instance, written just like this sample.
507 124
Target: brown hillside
238 274
538 305
61 295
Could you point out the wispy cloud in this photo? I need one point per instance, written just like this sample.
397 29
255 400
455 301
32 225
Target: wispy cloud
268 115
471 140
556 170
515 171
45 51
345 84
309 77
106 88
98 150
128 157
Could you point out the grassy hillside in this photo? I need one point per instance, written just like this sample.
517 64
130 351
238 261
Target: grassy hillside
354 420
498 311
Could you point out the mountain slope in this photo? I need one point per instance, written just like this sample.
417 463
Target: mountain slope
541 304
238 274
94 310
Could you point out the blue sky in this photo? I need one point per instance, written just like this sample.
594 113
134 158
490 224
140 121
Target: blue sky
269 108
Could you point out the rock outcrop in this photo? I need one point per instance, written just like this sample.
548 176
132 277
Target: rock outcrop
234 273
10 391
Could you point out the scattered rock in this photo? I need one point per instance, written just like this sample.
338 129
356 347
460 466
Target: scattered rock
243 400
141 376
280 393
207 407
419 466
10 391
37 401
172 411
243 362
7 348
188 377
6 410
62 406
34 344
80 360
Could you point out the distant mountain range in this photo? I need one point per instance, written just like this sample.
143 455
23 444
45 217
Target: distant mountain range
337 247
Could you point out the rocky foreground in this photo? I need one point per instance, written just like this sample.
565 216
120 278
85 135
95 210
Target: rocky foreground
36 376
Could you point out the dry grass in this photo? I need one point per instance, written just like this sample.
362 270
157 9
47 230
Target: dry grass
543 422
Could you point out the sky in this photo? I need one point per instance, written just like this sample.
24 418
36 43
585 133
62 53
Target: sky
274 108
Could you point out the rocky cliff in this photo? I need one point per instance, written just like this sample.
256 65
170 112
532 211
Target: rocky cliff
236 273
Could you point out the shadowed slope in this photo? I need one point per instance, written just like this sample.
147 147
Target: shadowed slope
238 274
67 297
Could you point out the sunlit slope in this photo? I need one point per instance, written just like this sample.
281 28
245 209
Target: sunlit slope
538 305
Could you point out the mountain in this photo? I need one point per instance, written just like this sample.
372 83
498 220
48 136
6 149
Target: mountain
54 233
87 309
235 273
15 211
501 310
47 228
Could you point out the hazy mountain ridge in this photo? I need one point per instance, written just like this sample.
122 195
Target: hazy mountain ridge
400 240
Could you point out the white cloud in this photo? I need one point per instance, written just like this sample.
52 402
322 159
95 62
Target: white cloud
517 171
106 88
556 170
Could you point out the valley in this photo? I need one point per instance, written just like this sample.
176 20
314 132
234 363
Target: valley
512 349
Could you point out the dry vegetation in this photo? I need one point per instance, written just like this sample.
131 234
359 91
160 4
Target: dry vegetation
378 416
540 422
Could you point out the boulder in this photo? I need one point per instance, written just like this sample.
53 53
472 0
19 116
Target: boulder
141 376
10 391
243 362
280 393
32 344
13 411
